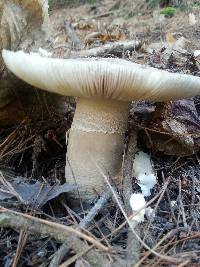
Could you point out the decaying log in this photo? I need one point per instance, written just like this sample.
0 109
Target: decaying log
23 22
23 25
1 14
112 49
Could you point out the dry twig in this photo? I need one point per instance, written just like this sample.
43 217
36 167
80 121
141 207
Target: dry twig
76 42
133 244
112 49
64 234
95 210
60 254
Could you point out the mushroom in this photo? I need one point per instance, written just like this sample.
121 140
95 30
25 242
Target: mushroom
105 87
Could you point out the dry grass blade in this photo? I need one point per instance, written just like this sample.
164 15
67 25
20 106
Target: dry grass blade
155 209
8 138
184 263
21 243
155 247
20 148
17 141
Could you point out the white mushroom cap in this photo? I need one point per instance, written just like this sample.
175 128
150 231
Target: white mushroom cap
105 78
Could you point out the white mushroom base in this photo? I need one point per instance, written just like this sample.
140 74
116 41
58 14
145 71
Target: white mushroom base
96 138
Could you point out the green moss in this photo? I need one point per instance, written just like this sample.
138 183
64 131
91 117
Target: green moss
197 6
168 11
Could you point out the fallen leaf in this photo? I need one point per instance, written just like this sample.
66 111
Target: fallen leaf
92 37
37 194
169 38
175 128
83 25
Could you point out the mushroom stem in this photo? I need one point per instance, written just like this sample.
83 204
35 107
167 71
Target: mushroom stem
96 136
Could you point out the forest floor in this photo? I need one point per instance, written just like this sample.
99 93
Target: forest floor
33 154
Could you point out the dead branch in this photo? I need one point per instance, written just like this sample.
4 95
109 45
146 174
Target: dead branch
76 42
111 49
133 244
62 233
127 170
59 255
95 210
102 15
